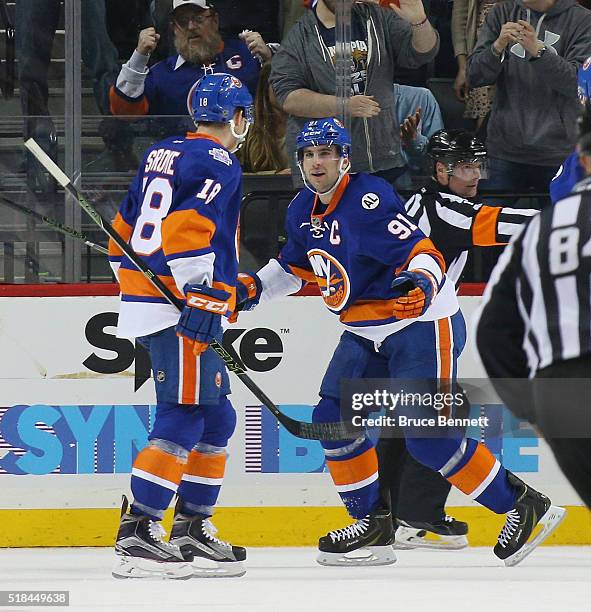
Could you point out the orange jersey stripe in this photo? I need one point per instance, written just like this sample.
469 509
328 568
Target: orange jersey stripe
160 463
121 106
368 310
474 473
444 348
197 135
124 230
353 470
186 230
426 247
305 275
189 382
484 228
207 465
133 282
336 198
444 361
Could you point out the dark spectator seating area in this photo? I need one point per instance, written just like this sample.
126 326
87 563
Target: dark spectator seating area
31 252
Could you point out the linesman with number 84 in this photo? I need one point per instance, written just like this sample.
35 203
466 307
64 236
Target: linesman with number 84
535 324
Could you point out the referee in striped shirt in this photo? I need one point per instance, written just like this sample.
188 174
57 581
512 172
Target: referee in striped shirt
449 212
535 324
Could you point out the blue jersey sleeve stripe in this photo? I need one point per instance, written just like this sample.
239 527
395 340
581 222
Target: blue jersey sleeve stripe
185 254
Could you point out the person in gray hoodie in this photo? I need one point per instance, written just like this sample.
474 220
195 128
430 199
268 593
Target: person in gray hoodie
304 80
532 50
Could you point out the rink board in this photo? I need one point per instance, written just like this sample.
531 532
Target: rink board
77 403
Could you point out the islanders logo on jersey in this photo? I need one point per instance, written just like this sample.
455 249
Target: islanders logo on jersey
333 279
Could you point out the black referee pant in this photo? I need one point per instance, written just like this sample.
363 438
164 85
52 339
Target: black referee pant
413 492
562 412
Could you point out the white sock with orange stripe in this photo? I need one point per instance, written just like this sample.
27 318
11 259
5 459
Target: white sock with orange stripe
475 471
202 480
155 477
356 479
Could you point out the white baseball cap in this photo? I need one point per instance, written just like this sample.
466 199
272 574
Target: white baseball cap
202 4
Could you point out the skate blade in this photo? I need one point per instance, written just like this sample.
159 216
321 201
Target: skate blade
409 537
549 522
367 556
146 569
206 568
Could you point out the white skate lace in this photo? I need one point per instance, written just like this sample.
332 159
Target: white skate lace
448 519
209 530
352 531
157 532
510 527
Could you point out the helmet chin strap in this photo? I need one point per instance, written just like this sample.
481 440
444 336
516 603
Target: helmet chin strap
342 173
239 137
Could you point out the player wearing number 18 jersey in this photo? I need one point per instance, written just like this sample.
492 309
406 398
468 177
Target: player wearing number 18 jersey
181 217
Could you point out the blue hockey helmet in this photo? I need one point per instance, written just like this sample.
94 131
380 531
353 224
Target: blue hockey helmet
324 132
320 132
216 97
584 81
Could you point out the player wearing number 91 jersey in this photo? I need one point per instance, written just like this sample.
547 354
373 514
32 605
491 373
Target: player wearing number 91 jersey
385 281
181 217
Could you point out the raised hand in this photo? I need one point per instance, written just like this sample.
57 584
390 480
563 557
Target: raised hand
410 126
147 41
256 45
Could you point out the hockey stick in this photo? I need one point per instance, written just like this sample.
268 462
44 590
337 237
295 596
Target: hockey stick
310 431
64 229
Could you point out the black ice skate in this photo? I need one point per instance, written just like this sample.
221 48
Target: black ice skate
142 553
209 557
446 534
366 542
532 508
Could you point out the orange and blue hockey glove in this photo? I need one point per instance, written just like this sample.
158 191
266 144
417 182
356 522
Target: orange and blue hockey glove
414 290
248 290
248 293
201 318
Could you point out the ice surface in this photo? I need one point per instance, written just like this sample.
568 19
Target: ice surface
278 579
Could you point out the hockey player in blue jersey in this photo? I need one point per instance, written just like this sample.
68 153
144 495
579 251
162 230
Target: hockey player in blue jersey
386 282
571 172
181 217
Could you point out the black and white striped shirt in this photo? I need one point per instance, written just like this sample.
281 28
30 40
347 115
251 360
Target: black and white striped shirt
536 309
456 224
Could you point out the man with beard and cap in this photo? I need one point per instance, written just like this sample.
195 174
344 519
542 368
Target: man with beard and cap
162 89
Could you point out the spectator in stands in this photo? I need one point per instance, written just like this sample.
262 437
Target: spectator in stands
259 15
467 19
420 117
291 11
531 49
303 75
163 88
35 24
264 148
